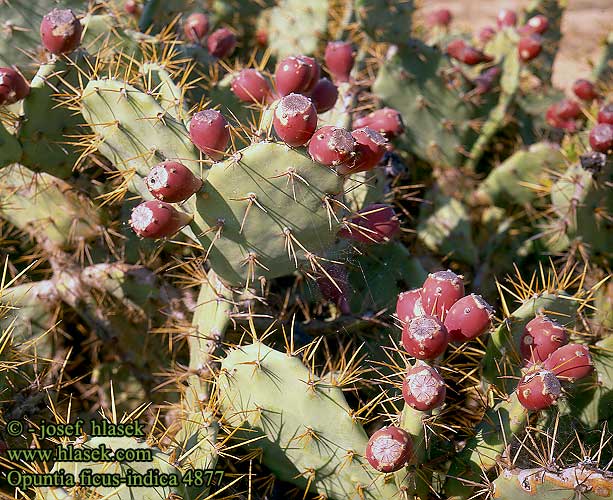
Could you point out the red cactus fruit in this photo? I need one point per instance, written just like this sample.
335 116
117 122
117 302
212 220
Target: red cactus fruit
333 283
261 37
424 337
601 137
13 86
570 362
468 318
423 388
605 115
221 43
529 47
370 146
131 7
537 24
60 31
389 449
540 338
331 146
409 305
209 131
563 114
195 27
377 223
486 34
460 50
386 121
297 74
485 81
339 58
324 95
439 17
440 291
506 18
172 182
538 389
585 90
251 86
157 219
295 119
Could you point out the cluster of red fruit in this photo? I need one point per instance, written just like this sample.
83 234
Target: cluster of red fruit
431 317
221 43
549 359
530 43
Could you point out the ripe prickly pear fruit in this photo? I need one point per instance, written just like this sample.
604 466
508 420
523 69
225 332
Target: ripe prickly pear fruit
13 86
605 115
131 7
209 131
296 74
486 34
377 223
221 43
60 31
485 81
563 114
423 388
529 47
389 449
468 318
157 219
506 18
251 86
425 337
295 119
585 90
409 305
324 95
570 362
339 58
535 25
601 137
334 285
370 146
440 291
386 121
538 389
195 27
172 182
460 50
540 338
331 146
439 17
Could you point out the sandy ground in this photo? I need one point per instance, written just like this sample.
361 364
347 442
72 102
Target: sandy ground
585 24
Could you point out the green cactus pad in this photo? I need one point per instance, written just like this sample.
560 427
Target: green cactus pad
380 273
267 394
48 124
10 149
136 131
287 192
385 20
160 464
583 482
514 180
445 228
47 207
584 202
499 427
421 83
